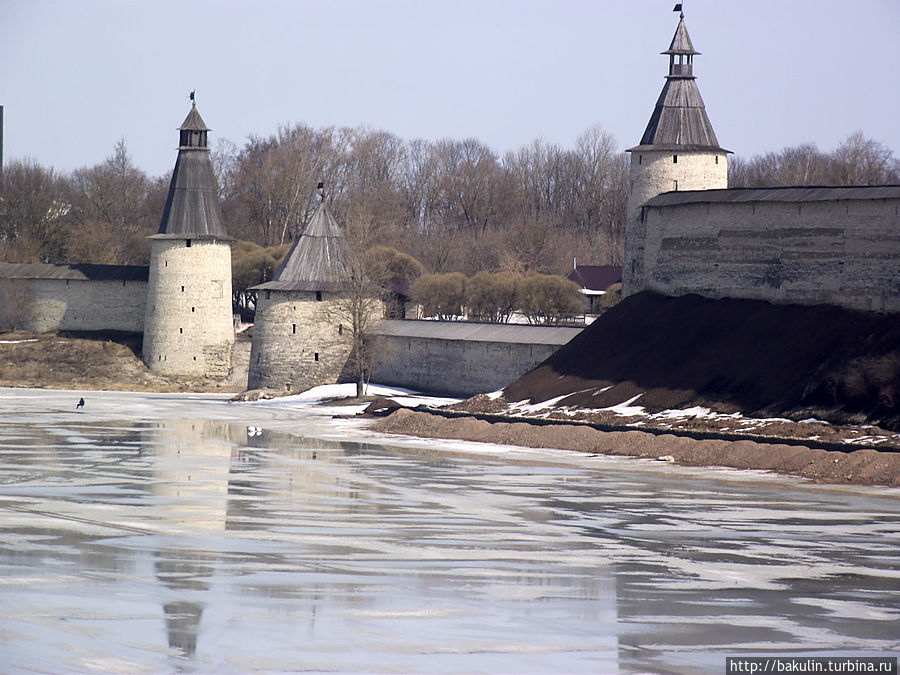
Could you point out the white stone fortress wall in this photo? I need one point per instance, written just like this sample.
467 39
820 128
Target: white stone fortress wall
653 172
837 252
298 341
188 329
45 305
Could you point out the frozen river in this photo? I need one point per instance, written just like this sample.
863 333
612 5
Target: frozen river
163 533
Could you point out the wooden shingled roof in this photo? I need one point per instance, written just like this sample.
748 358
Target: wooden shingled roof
777 194
193 121
74 272
679 120
316 261
681 41
192 205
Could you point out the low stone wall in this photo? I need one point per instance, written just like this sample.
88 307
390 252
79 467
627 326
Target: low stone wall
43 305
458 358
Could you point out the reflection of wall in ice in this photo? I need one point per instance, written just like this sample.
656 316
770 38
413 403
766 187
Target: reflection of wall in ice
191 464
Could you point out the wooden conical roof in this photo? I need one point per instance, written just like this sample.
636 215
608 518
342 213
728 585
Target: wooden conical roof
317 260
679 120
192 205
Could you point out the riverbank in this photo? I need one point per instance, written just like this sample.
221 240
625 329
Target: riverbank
859 467
93 361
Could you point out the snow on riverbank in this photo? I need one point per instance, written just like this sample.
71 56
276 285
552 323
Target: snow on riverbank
333 393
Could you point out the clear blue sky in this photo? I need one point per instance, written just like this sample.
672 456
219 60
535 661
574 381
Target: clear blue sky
77 76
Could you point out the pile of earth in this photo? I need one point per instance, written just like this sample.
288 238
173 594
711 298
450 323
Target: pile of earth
727 355
860 467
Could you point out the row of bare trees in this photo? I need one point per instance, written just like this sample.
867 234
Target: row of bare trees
101 214
454 205
856 161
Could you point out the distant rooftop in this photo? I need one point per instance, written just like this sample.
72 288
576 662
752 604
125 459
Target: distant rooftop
596 277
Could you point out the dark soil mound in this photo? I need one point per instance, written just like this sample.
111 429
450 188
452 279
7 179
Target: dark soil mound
729 355
382 407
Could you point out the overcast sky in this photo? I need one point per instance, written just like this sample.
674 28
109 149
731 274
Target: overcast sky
77 76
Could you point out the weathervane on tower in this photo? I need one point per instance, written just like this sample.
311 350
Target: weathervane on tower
679 8
194 101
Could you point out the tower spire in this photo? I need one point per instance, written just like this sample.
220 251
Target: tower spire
192 206
678 151
679 119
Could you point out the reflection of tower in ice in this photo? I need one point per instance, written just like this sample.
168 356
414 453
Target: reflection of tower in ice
191 464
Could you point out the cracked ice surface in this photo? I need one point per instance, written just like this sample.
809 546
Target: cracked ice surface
161 533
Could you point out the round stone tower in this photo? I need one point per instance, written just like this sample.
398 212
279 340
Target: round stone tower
678 151
188 326
302 326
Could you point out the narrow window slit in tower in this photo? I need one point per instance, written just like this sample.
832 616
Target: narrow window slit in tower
318 296
182 289
294 328
187 243
181 331
317 356
674 159
340 329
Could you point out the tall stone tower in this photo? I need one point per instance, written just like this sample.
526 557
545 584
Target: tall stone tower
188 328
300 335
678 151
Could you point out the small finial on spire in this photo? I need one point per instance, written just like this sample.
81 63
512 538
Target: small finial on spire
320 188
194 102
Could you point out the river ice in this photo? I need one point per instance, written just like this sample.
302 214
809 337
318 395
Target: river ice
183 533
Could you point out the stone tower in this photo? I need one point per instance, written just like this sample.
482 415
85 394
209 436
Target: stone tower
300 339
678 151
188 327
